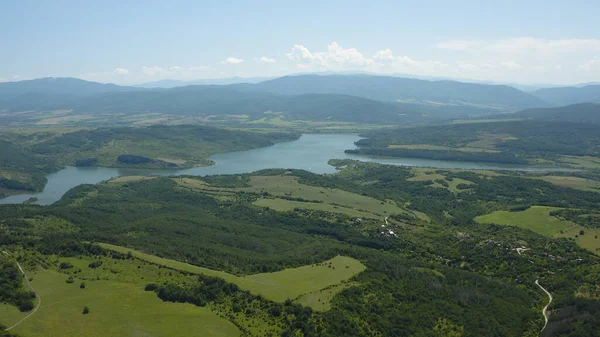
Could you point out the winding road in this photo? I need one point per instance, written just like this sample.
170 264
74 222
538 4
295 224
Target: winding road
546 307
30 287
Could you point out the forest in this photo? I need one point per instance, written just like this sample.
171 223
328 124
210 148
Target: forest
468 269
498 142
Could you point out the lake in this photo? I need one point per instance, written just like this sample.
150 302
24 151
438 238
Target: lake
311 152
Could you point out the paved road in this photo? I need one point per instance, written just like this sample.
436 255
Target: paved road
546 307
30 287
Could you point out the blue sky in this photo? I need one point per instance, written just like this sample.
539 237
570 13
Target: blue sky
139 41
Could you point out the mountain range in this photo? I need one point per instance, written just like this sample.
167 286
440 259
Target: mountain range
350 98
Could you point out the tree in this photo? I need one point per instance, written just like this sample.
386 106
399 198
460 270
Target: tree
86 310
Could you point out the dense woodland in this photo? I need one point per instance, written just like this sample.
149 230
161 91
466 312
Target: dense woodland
507 142
450 270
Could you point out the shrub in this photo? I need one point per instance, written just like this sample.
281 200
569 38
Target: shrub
82 285
65 265
86 310
151 287
95 264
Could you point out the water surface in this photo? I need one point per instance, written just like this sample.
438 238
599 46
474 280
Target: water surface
310 152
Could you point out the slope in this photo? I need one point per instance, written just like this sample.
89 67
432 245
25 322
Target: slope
385 88
569 95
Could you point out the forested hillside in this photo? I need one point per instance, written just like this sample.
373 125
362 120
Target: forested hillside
514 142
577 113
414 265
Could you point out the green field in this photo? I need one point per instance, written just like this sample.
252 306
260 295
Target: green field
439 147
283 205
330 199
536 218
429 175
116 309
573 182
590 240
277 286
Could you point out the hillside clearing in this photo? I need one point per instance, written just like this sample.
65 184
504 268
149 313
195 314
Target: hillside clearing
277 286
536 218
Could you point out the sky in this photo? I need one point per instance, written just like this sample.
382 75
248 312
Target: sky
130 42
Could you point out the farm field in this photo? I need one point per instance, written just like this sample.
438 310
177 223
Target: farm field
536 218
277 286
116 309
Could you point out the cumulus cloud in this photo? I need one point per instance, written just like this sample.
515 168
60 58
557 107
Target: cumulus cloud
200 68
152 71
121 71
591 65
265 59
176 68
232 60
335 57
537 60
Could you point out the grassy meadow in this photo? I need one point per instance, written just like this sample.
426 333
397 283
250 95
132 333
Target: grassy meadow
117 307
536 218
277 286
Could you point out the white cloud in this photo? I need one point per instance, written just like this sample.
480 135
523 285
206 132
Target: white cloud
591 65
335 57
152 71
176 68
527 59
121 71
265 59
200 68
512 65
232 60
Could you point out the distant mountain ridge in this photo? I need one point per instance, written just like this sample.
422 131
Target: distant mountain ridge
569 95
348 98
393 89
168 83
588 113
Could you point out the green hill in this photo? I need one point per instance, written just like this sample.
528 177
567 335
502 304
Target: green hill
579 113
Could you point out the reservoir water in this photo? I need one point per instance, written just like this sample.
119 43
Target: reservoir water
311 152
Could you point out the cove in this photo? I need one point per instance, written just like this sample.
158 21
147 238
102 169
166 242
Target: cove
310 152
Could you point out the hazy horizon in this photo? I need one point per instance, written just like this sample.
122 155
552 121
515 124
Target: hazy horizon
543 42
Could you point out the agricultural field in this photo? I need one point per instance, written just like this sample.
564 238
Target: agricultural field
277 286
536 218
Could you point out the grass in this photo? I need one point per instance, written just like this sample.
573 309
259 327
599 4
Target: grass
590 240
283 205
320 300
128 179
289 186
536 218
429 175
438 147
277 286
116 309
573 182
584 162
332 200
